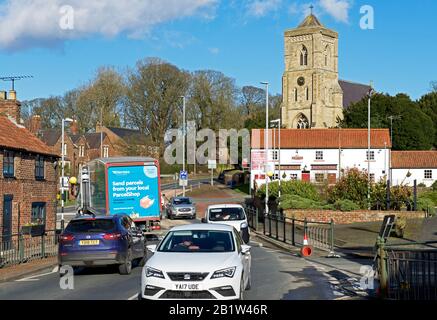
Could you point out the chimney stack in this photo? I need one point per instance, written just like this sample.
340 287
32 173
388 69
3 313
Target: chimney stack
10 107
74 127
12 95
35 124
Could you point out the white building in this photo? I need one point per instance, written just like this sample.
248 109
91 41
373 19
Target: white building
407 166
319 155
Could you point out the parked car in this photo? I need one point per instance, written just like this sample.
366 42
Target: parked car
230 214
107 240
181 207
198 261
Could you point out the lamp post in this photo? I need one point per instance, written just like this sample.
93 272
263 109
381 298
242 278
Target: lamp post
183 139
266 143
370 93
67 120
278 121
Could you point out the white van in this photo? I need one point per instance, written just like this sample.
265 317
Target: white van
229 214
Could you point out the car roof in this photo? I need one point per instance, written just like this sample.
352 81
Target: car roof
203 226
97 217
181 198
218 206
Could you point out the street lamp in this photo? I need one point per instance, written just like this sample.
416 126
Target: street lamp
278 121
266 143
183 139
370 94
67 120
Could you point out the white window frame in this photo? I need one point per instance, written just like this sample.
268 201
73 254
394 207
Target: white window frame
427 174
81 151
65 149
319 155
318 175
105 151
294 177
372 155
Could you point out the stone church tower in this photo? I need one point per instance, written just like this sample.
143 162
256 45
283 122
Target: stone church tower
312 96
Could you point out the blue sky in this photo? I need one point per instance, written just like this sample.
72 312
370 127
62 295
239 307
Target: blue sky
243 39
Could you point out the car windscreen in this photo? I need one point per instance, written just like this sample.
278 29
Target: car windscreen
198 241
178 202
91 226
226 214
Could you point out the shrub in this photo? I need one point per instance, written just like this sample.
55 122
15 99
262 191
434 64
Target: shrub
299 188
434 186
421 185
423 204
296 202
346 205
351 186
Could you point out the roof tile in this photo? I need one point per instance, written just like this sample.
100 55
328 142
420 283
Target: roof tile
413 159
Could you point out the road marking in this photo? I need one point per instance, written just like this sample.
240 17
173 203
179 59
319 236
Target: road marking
134 297
32 278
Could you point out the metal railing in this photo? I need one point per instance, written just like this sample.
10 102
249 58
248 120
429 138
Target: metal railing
290 230
19 248
407 271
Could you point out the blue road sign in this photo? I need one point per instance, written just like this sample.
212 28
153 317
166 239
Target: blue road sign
183 175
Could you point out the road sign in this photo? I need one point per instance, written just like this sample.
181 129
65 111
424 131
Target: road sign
64 182
183 178
212 164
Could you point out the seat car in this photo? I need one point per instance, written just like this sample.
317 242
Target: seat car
181 207
230 214
98 241
198 261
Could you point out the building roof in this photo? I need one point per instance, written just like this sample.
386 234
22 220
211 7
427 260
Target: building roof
14 136
93 139
50 137
129 135
353 92
310 21
324 138
413 159
75 137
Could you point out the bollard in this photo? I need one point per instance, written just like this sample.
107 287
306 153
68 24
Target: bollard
21 246
277 227
284 225
256 219
293 225
383 279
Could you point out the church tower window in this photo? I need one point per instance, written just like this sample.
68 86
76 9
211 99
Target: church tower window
302 122
304 56
307 93
295 94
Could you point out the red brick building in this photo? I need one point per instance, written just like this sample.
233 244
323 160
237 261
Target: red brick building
28 179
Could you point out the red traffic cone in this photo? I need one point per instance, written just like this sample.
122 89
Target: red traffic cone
305 239
306 250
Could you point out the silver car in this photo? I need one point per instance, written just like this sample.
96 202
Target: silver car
181 207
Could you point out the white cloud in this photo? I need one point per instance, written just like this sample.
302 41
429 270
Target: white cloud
36 23
260 8
214 51
338 9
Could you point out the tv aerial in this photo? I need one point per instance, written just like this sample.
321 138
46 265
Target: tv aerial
14 78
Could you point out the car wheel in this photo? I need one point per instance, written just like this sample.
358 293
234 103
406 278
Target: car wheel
140 296
126 267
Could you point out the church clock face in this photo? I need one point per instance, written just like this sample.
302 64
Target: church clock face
301 81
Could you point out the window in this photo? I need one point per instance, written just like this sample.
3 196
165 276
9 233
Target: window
65 149
307 93
275 177
293 176
81 151
304 56
428 174
302 122
320 177
38 213
275 155
371 156
39 167
8 164
295 94
319 155
105 152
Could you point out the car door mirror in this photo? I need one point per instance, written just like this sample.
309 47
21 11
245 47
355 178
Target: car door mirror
245 249
152 248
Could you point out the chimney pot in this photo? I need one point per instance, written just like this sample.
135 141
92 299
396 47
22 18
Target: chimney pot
12 95
3 95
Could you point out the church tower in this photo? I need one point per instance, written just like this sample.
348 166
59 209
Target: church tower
312 96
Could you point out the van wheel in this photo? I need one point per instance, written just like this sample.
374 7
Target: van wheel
126 267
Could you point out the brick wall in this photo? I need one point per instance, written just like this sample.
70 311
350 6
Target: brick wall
25 190
348 217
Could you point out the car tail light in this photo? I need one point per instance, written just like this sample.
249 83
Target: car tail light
66 238
112 236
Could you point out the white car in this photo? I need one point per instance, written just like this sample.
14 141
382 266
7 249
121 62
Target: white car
198 261
230 214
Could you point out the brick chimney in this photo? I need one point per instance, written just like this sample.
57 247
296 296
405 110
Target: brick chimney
35 124
74 128
11 106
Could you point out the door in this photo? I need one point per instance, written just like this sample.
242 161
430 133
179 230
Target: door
332 178
136 236
7 220
306 176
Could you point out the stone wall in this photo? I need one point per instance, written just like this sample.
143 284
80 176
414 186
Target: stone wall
349 217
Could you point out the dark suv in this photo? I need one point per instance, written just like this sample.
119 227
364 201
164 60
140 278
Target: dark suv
95 241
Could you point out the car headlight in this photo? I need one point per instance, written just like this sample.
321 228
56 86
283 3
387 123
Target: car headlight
151 272
224 273
244 225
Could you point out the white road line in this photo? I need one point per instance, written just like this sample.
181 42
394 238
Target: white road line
134 297
32 278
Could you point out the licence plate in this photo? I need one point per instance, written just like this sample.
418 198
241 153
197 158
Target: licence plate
187 286
89 242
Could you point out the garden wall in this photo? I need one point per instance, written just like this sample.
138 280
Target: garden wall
349 217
